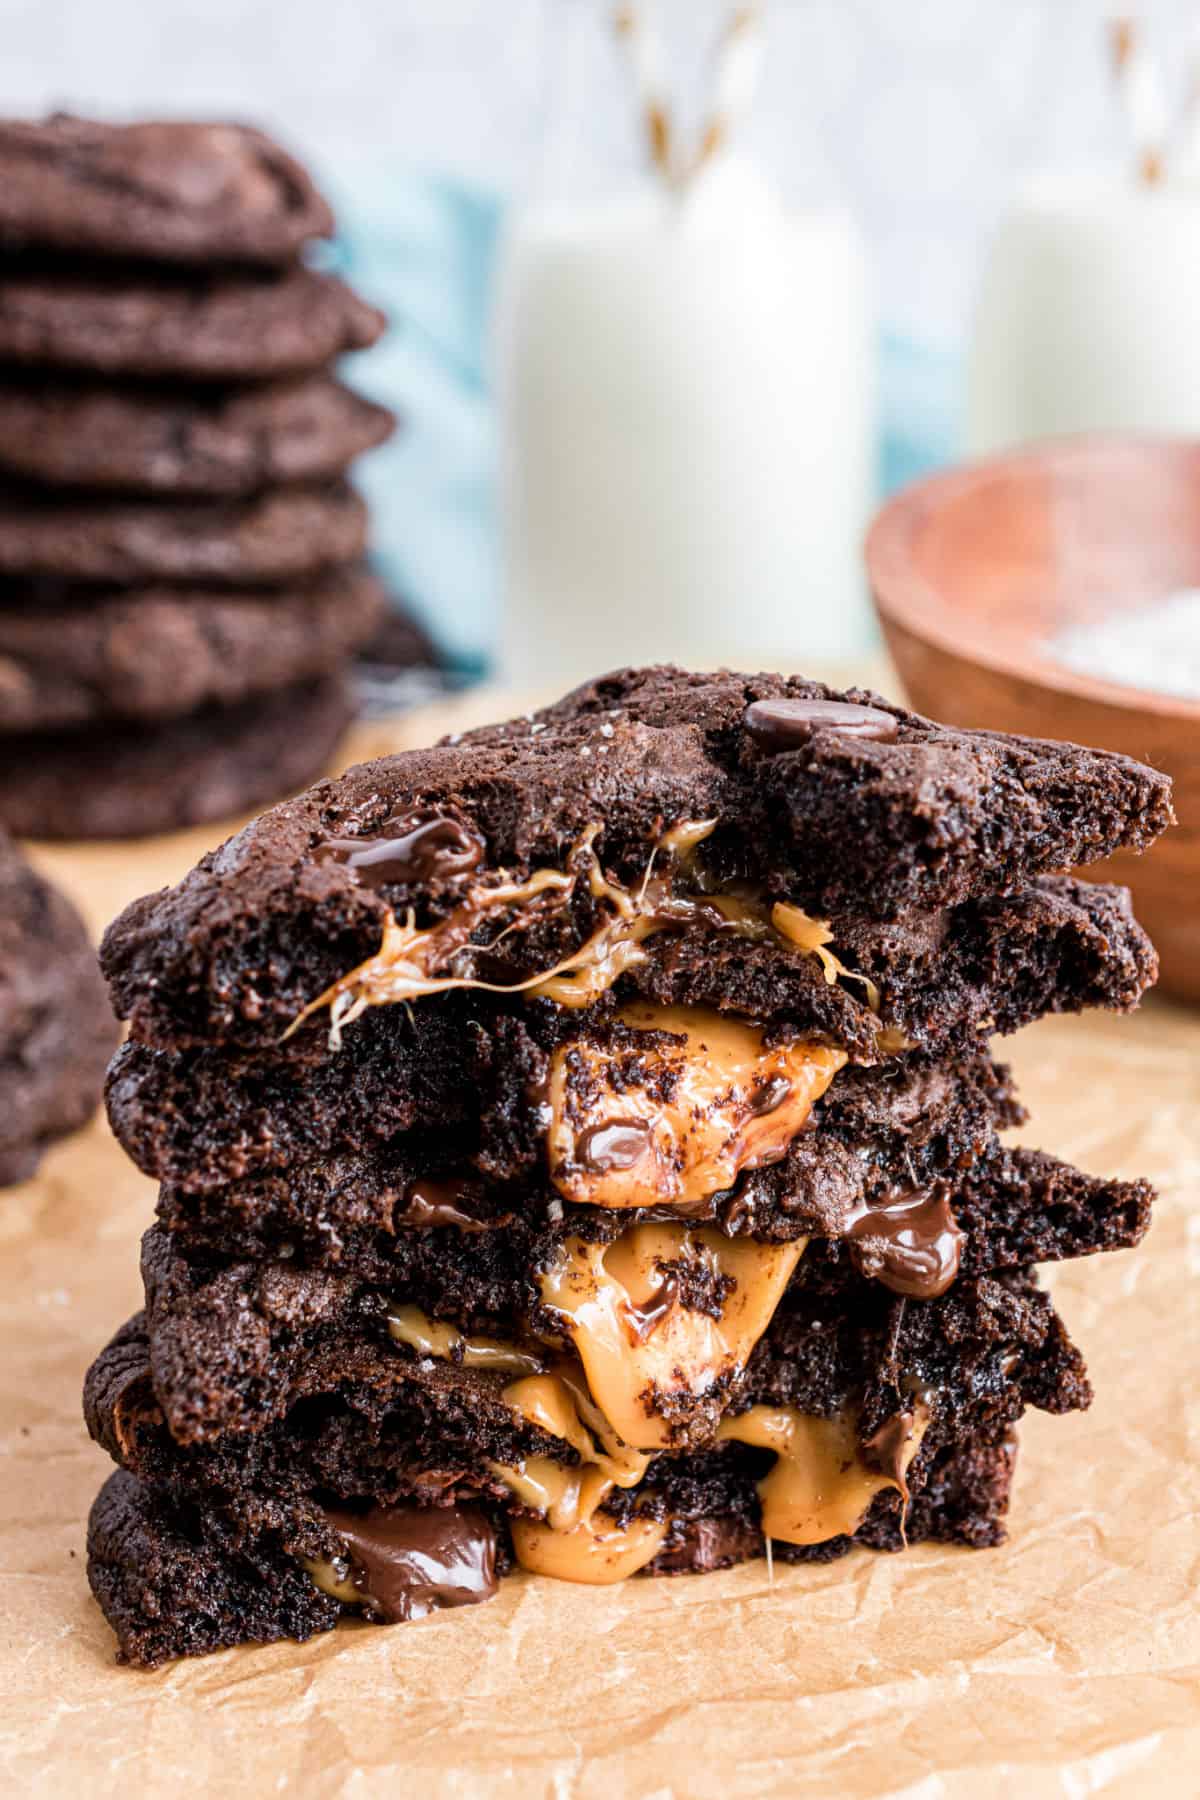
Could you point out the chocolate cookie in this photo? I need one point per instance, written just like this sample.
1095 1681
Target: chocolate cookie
881 813
173 191
180 1580
76 656
131 781
57 1030
285 535
154 441
579 1148
232 1343
407 1431
368 1209
228 326
582 800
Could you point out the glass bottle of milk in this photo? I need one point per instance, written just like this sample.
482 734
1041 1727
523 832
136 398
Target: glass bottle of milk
1086 316
684 372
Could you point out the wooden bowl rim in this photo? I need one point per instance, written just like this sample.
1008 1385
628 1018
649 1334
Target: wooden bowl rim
903 597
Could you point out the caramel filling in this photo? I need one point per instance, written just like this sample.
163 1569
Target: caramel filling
431 1337
821 1486
638 1344
413 961
596 1551
670 1123
815 936
571 1541
636 1340
335 1579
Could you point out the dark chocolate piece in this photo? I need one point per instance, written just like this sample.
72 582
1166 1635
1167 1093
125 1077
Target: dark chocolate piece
909 1240
409 1561
887 1447
643 1321
616 1144
433 1205
423 847
777 725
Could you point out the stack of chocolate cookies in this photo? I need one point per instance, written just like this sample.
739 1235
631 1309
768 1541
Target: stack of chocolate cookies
181 576
578 1148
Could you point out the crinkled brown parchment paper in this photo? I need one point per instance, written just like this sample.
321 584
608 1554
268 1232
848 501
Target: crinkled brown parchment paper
1065 1664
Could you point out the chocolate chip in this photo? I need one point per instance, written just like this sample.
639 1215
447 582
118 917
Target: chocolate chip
768 1096
910 1241
408 1561
777 725
420 846
431 1204
614 1145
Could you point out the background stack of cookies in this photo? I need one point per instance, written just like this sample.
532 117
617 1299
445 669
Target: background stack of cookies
181 583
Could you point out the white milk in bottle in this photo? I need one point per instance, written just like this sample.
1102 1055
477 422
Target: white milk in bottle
1089 313
684 376
1088 310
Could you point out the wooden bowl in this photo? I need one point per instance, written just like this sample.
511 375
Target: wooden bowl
974 571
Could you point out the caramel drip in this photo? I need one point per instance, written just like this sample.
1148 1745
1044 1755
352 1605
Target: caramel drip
413 962
596 1552
820 1486
571 1541
714 1121
815 936
433 1337
406 965
638 1344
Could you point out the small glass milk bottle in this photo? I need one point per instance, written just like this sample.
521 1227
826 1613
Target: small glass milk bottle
684 364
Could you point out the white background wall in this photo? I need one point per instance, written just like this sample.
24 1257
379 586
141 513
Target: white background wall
926 111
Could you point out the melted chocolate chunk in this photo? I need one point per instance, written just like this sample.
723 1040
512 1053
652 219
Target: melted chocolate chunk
435 1203
420 846
911 1241
615 1144
777 725
408 1561
769 1095
643 1321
